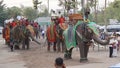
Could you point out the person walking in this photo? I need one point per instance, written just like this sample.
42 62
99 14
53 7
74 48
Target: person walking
113 46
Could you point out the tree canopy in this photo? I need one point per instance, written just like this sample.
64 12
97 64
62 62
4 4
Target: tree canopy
3 13
111 12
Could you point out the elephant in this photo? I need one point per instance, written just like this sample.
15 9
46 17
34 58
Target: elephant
81 34
21 34
51 35
60 40
54 35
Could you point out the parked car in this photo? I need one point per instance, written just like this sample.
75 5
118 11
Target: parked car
113 28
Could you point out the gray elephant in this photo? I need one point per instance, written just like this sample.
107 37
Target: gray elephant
22 34
60 41
81 34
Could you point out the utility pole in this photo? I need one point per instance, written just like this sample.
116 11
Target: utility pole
105 13
83 8
95 11
48 7
105 17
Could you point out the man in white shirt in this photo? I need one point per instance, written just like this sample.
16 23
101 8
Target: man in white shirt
113 47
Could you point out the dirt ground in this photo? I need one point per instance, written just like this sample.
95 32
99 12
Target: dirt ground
39 57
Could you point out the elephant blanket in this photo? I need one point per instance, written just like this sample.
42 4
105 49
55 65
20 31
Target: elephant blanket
69 35
51 33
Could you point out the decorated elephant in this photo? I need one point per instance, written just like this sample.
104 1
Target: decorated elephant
51 36
81 34
60 40
22 34
55 35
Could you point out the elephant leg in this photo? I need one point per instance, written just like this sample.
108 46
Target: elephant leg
66 54
82 51
54 46
11 46
63 46
27 43
48 48
28 46
58 45
70 53
23 44
16 46
86 49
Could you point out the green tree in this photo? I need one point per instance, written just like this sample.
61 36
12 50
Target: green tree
30 13
3 13
14 12
112 12
114 9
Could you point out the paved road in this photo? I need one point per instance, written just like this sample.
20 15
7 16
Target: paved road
9 59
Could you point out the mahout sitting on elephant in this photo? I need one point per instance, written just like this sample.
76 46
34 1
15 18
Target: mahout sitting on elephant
81 33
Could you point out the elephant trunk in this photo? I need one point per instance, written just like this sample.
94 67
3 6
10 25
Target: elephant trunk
35 40
102 42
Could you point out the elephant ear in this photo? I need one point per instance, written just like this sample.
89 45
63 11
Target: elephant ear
31 29
92 25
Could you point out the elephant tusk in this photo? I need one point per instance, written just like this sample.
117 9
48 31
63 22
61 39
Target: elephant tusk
79 34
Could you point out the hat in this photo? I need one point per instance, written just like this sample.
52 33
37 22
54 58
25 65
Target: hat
75 16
